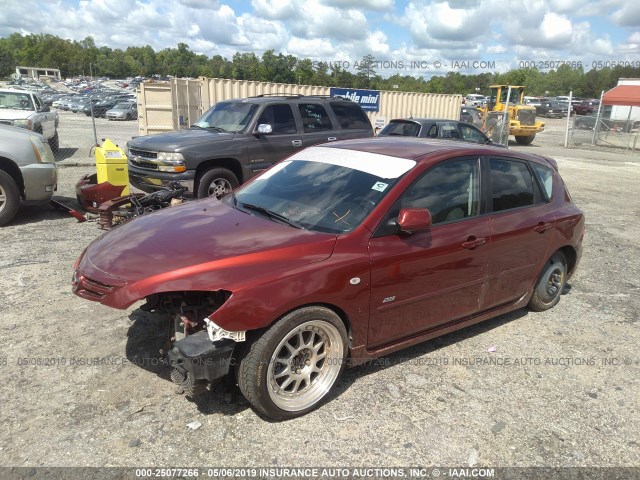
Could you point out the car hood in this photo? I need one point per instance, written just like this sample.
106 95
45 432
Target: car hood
201 241
12 114
178 140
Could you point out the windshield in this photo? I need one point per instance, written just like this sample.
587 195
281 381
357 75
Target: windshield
123 106
227 116
317 195
16 101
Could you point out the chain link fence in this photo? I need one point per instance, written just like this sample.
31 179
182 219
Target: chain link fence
79 132
496 127
590 130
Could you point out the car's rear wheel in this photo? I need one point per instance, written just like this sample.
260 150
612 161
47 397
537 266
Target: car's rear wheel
216 182
292 367
9 198
550 284
525 139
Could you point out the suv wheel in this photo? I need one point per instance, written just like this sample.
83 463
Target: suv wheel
9 198
216 182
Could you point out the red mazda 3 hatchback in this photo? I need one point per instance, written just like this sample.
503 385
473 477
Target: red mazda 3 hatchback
339 254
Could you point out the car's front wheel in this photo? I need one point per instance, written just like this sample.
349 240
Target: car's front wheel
550 284
292 367
9 198
216 182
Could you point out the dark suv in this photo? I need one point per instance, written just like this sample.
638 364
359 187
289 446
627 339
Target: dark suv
236 139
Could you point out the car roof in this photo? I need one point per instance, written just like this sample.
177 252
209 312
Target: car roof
270 98
430 150
424 121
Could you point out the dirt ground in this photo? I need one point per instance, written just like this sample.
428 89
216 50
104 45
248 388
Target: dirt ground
83 384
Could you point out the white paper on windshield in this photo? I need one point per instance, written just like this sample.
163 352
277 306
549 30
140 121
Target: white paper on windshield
383 166
380 186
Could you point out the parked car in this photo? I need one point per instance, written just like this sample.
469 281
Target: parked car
342 253
236 139
588 122
123 111
21 108
586 107
27 170
551 109
434 128
100 108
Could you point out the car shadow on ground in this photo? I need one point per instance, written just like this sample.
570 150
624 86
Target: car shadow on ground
149 332
35 213
64 153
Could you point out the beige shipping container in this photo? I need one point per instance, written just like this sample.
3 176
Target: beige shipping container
177 104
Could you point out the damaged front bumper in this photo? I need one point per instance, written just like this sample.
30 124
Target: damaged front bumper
203 357
196 358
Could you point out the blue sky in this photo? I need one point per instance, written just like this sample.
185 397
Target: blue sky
415 37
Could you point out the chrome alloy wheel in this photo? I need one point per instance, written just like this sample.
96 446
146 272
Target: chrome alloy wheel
305 365
3 198
219 188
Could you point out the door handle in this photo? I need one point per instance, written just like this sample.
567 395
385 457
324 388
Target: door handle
296 143
331 139
542 227
473 242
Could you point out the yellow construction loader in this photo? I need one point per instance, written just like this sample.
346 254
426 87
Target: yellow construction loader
522 118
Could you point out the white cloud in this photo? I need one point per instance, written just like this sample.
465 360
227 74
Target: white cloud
274 9
318 21
363 4
628 15
434 25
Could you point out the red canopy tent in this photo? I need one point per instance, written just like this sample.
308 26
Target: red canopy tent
623 95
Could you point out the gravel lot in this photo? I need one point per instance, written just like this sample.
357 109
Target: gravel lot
563 389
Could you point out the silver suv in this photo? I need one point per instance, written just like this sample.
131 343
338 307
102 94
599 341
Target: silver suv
27 170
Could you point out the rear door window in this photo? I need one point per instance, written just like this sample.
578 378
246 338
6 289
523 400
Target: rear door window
512 184
314 118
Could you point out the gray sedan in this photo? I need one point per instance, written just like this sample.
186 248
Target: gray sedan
123 111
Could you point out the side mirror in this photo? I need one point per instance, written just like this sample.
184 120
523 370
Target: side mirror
264 128
44 108
411 220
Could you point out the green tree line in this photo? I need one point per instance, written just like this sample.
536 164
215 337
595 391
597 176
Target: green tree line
75 58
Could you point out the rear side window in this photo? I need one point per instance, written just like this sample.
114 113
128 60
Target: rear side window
511 184
402 129
350 116
314 118
545 175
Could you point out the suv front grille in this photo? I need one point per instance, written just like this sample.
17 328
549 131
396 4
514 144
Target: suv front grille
527 117
143 159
